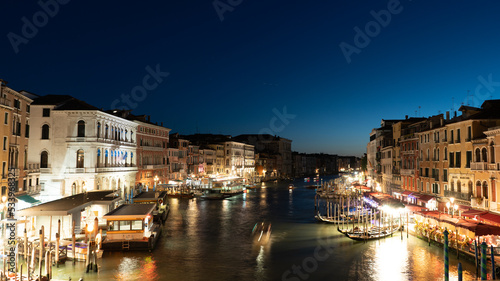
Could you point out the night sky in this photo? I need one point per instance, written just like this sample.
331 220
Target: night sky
234 66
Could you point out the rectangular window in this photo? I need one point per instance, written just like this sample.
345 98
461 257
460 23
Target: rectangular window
452 160
124 225
4 164
458 135
4 143
28 108
6 120
46 112
451 136
458 160
17 104
445 175
27 130
469 159
137 225
469 133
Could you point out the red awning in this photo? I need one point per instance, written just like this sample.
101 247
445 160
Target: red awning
490 218
415 208
472 213
406 193
424 197
486 229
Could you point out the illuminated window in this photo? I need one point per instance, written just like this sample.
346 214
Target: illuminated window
79 158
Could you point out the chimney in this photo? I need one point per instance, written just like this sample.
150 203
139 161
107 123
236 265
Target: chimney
161 124
149 118
455 114
442 121
447 116
406 117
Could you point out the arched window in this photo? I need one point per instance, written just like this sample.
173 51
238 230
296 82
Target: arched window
459 186
44 159
131 159
492 152
98 158
469 191
98 129
445 153
81 129
478 189
478 155
45 132
106 158
106 133
452 186
485 190
484 154
79 158
437 155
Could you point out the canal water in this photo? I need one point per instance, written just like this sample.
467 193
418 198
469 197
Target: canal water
211 240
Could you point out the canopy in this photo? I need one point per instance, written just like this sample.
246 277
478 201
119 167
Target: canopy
472 213
423 197
490 218
406 193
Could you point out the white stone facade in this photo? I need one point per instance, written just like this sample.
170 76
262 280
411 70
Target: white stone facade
84 150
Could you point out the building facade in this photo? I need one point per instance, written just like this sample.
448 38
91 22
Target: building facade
80 148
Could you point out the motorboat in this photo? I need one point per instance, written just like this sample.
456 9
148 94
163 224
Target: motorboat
261 232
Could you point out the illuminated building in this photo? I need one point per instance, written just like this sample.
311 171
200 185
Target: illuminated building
80 148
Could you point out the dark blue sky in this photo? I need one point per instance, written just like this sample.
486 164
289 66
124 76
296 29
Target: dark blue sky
232 76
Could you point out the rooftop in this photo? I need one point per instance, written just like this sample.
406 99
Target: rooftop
66 205
133 210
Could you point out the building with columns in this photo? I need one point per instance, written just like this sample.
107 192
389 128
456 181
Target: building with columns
79 148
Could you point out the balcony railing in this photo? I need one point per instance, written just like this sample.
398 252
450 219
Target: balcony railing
479 166
458 195
4 101
407 172
115 169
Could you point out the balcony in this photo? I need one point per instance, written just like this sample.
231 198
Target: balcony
4 101
407 172
153 167
457 195
479 166
45 170
115 169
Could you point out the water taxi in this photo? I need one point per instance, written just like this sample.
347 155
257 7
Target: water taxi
131 227
261 232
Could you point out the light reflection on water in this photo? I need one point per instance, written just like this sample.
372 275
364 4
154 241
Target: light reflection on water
211 240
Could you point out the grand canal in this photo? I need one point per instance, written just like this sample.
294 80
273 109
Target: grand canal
211 240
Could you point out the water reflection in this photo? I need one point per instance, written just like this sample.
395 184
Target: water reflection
211 240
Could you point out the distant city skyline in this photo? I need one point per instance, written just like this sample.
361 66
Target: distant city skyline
321 74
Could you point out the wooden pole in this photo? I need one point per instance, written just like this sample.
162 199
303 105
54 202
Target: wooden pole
73 248
25 245
50 231
47 264
40 252
59 227
57 249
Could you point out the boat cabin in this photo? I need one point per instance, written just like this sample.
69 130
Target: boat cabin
130 222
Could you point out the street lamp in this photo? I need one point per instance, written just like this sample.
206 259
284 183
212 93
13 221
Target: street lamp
156 179
452 205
